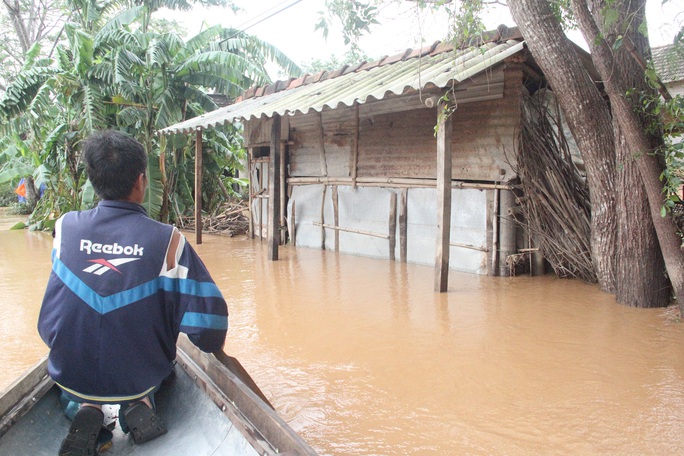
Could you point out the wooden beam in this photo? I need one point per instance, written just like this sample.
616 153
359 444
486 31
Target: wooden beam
274 191
198 186
17 400
444 126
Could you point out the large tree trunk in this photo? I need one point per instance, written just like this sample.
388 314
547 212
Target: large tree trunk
640 145
588 118
641 278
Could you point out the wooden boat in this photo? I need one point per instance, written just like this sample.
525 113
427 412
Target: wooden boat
210 406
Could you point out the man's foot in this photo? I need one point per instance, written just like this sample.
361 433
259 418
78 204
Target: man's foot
143 423
82 437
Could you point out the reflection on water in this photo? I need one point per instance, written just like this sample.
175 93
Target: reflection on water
360 356
24 270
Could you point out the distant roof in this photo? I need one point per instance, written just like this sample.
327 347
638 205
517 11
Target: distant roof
669 62
437 65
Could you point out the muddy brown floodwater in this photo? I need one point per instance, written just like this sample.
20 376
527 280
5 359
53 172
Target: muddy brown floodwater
360 356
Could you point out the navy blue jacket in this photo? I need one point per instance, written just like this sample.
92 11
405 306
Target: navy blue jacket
113 307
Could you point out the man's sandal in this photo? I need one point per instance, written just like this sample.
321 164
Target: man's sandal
143 423
82 437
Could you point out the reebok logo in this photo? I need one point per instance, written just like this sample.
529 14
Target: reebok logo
101 265
113 249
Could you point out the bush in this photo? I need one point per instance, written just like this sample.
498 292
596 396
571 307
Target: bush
17 208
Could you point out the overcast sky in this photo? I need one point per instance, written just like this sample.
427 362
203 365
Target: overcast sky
401 26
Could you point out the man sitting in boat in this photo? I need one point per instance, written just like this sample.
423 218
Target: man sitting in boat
122 287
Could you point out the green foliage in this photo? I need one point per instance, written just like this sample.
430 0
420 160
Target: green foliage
563 12
116 71
40 23
355 16
666 117
333 63
465 21
7 195
154 197
222 156
673 151
17 208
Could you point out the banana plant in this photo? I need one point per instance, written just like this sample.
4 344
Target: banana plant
113 72
157 79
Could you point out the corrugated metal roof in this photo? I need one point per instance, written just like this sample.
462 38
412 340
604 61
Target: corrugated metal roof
394 75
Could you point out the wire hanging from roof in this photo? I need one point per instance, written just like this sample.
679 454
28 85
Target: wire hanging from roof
247 27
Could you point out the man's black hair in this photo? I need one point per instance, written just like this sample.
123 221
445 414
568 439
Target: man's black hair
113 163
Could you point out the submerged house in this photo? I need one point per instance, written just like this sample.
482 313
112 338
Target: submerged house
669 65
668 62
407 158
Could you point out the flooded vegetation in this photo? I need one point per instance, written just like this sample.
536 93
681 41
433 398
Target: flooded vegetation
360 356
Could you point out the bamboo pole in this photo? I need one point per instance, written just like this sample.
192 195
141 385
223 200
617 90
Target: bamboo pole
198 186
469 246
391 181
351 230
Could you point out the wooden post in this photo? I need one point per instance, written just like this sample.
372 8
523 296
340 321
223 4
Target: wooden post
507 245
392 225
336 217
262 177
495 234
293 221
321 144
403 234
198 186
283 193
325 187
355 147
444 126
274 191
250 188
